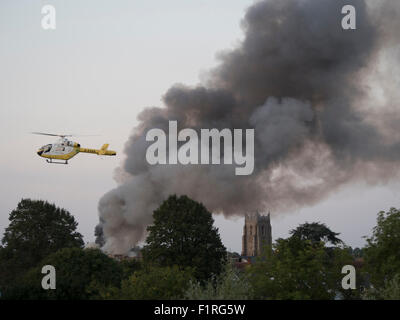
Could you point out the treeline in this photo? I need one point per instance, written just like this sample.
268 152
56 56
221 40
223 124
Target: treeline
184 258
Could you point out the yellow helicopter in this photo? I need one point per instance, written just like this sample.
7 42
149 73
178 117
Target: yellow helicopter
65 149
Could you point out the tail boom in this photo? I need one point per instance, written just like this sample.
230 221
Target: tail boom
101 152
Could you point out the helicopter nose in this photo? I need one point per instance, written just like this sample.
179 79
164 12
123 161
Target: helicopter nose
40 152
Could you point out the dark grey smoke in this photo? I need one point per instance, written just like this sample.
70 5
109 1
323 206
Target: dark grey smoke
99 234
321 101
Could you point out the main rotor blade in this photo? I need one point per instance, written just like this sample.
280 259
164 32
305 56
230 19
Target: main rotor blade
84 135
65 135
52 134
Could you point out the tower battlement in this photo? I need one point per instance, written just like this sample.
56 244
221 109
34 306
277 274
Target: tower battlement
256 216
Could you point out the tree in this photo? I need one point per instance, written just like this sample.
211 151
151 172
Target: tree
315 232
79 275
183 234
152 283
36 229
129 266
390 291
298 268
356 252
229 285
382 254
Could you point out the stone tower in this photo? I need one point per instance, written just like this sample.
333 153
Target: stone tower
256 234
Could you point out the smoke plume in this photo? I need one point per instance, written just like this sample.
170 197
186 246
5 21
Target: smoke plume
322 101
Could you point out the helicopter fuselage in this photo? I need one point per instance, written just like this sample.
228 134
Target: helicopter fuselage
66 150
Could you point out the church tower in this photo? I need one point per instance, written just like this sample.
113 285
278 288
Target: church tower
256 234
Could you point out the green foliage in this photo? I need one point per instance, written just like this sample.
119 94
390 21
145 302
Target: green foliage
357 252
382 254
299 269
183 234
229 285
79 272
152 283
390 291
129 266
36 229
315 232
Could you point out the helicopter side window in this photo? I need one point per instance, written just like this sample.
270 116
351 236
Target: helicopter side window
47 148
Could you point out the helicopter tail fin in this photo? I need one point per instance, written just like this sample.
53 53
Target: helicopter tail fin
104 151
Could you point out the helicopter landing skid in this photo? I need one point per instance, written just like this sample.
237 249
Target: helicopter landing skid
56 162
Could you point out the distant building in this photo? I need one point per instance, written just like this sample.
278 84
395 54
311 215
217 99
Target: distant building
256 234
134 254
92 245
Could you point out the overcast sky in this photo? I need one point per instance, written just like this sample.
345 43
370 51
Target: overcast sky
104 63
